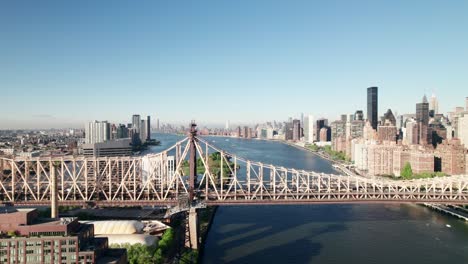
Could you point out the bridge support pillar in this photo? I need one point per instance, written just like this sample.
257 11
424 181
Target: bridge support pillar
192 230
53 193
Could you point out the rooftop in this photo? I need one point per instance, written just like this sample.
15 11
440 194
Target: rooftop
10 210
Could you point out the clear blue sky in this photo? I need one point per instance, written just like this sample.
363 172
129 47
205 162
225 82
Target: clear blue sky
65 62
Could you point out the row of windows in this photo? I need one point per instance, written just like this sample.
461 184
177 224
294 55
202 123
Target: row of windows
45 258
38 243
36 251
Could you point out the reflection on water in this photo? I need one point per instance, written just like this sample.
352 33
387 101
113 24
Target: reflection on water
327 233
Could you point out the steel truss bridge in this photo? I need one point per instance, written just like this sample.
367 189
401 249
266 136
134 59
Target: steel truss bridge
175 175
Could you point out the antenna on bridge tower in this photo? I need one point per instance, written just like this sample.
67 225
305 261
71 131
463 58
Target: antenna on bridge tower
193 160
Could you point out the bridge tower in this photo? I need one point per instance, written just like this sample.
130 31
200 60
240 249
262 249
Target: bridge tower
191 232
193 160
53 191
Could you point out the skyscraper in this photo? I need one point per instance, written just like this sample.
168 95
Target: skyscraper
148 128
97 132
309 129
372 106
434 105
245 133
227 125
390 117
143 131
136 123
422 117
296 130
319 124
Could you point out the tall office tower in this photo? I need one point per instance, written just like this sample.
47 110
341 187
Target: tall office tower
157 124
136 123
434 105
148 128
390 117
239 134
319 124
372 106
97 132
245 132
302 119
142 130
227 125
288 131
359 115
296 130
309 129
422 117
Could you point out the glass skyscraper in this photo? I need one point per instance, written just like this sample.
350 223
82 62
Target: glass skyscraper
372 106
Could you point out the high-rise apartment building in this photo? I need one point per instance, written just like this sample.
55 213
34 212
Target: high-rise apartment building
97 132
372 106
319 124
338 135
387 132
296 130
323 134
452 157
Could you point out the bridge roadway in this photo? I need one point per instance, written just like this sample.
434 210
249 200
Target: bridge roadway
159 180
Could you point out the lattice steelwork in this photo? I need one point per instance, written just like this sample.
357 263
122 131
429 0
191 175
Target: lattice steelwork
159 179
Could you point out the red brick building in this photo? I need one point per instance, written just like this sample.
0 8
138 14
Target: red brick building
63 240
452 155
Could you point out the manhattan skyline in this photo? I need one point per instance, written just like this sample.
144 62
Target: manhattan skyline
65 64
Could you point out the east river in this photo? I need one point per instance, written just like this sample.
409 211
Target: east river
325 234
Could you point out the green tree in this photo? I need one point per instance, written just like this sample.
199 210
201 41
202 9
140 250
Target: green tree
11 233
407 172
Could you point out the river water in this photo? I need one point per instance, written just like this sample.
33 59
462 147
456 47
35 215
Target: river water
327 234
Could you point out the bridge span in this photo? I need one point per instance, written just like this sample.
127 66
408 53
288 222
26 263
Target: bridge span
193 174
